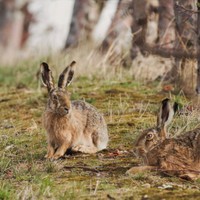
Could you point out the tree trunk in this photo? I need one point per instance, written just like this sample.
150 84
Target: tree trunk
118 24
185 39
139 25
182 72
11 23
84 17
6 21
117 41
27 20
166 23
198 48
185 24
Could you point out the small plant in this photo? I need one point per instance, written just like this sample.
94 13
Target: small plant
5 192
50 167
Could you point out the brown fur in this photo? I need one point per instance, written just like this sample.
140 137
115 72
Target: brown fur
175 156
74 125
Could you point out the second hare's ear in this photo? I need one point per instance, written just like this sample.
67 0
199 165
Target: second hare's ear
66 76
47 77
165 116
166 113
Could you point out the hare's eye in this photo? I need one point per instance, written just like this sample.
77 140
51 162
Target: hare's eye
149 136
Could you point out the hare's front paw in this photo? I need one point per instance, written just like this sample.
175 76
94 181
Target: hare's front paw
85 149
48 156
58 155
50 151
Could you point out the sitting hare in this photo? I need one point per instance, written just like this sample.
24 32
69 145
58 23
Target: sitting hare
175 156
74 125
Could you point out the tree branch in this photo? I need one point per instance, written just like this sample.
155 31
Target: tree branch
188 10
168 53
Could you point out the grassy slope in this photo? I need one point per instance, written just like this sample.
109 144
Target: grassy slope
129 107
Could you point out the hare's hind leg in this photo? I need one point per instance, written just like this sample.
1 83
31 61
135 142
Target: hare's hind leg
85 149
92 143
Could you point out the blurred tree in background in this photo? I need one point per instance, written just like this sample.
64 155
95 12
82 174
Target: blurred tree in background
119 29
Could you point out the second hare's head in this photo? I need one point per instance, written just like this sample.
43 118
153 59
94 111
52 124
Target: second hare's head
150 138
59 99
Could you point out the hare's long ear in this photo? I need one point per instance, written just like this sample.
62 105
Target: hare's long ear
165 116
66 76
47 77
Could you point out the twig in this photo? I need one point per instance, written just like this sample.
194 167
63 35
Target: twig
168 52
97 184
186 9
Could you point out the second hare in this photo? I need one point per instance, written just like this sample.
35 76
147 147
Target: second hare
175 156
74 125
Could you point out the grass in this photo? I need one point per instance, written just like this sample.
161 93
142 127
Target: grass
129 107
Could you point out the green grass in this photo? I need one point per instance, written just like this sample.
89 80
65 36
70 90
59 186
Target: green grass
128 106
6 192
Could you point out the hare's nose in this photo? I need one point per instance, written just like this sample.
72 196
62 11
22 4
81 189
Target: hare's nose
66 109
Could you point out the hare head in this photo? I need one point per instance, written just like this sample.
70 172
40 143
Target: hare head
153 136
59 99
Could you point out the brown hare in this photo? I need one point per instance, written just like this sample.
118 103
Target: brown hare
74 125
178 156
